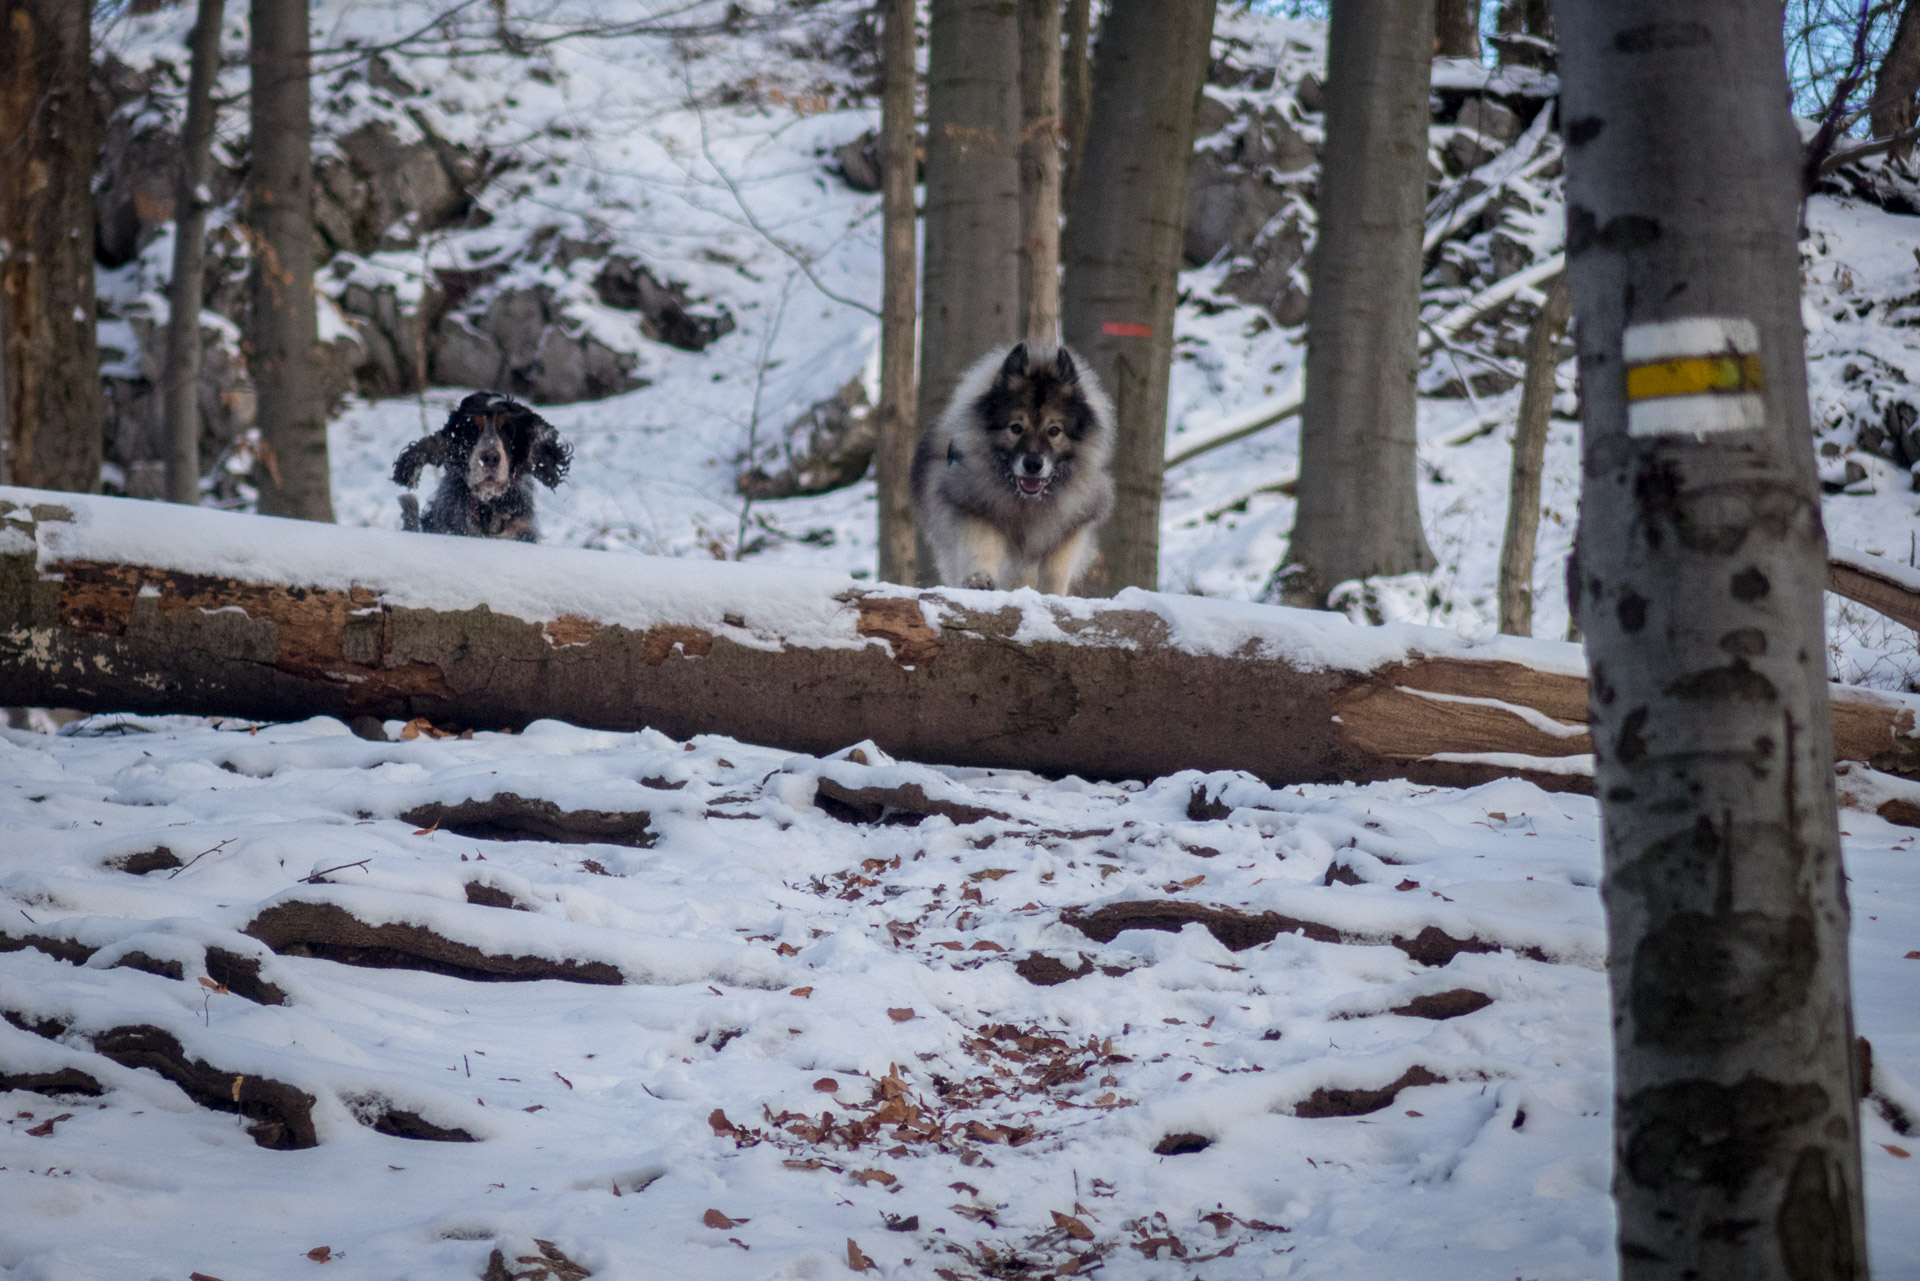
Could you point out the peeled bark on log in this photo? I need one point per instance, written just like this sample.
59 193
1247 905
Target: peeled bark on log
1880 584
111 605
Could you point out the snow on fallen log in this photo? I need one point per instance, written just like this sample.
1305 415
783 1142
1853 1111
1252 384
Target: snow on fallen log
116 605
1880 584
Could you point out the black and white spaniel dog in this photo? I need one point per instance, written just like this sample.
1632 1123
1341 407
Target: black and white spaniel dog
489 454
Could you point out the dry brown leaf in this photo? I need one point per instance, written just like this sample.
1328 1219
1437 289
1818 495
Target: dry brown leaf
1900 1152
1075 1228
801 991
45 1128
991 874
1408 885
881 1177
826 1085
857 1259
321 1254
716 1219
200 1276
429 831
211 986
1192 881
787 949
718 1120
1913 956
1497 815
900 1016
985 945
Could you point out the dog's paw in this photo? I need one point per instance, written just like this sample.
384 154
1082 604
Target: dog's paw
979 582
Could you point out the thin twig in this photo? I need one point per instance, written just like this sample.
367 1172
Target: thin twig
800 259
202 854
753 421
314 879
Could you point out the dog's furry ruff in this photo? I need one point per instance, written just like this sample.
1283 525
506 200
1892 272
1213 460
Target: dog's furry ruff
490 452
974 472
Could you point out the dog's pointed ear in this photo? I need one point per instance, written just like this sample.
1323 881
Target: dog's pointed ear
1064 367
1015 365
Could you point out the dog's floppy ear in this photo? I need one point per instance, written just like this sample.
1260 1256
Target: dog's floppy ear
1064 368
547 456
1015 365
428 449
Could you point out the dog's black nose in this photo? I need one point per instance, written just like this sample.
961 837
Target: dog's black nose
490 460
1033 464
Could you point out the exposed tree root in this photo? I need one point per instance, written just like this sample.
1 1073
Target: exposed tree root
239 974
332 933
507 817
908 804
1444 1005
1337 1102
67 1080
1238 931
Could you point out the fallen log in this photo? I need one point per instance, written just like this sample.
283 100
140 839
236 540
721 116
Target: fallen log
1880 584
123 606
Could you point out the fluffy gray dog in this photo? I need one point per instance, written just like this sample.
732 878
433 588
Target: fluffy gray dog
1011 484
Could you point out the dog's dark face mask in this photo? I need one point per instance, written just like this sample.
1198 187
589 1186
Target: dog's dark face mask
1035 415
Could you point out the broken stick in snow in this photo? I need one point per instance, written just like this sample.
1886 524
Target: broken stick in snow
115 605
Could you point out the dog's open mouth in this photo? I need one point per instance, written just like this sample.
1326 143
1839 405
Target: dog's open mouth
1032 486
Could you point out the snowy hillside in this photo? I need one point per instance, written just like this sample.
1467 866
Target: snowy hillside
703 159
1201 1028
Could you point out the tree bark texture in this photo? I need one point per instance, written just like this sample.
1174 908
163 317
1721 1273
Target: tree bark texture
1456 28
1701 564
970 282
1359 513
111 605
1040 170
1515 588
1896 83
899 293
1076 91
1122 253
187 289
51 412
292 475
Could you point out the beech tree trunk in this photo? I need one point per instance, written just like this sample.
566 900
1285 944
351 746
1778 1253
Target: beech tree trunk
1456 28
1701 565
284 330
1359 511
135 607
51 412
970 283
893 452
1524 33
1076 91
1515 587
1896 83
1040 170
184 295
1122 253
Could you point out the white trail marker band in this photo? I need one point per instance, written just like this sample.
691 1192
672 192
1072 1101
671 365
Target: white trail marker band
1692 376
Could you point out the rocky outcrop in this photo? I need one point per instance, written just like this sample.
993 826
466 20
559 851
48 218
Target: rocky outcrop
1249 199
828 446
378 192
664 308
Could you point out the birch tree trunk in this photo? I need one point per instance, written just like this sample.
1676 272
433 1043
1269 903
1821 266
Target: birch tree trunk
1040 170
1701 564
970 283
1529 454
1122 253
187 289
1359 512
292 477
1076 92
893 453
50 404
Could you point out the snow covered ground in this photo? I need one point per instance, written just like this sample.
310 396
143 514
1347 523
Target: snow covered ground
803 1031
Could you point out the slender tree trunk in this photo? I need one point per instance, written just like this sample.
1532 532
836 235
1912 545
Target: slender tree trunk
970 283
1701 565
1525 33
893 460
189 261
1359 512
1040 169
1893 109
292 477
1529 453
1076 92
1123 253
50 404
1456 28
